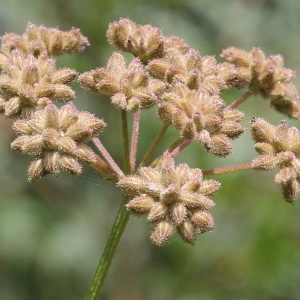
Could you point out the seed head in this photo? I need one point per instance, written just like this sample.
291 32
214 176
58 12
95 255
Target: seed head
199 115
28 83
266 76
56 139
189 68
38 39
145 42
131 88
172 197
278 146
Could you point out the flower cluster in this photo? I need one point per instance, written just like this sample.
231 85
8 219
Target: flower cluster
29 86
56 139
39 39
188 67
28 79
199 115
131 88
185 86
172 197
266 76
145 42
278 146
169 58
28 83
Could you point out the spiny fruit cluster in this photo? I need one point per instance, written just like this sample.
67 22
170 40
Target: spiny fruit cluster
266 76
186 88
39 39
173 197
278 146
29 85
131 88
201 116
56 139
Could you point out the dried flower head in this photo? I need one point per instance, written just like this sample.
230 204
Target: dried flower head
172 197
38 39
28 83
131 88
266 76
199 115
185 65
278 146
145 42
56 139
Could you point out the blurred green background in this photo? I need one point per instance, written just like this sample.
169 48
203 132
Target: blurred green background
53 231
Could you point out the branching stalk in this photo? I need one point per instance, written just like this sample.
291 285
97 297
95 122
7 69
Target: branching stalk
107 156
228 169
134 139
170 149
102 167
125 142
176 144
154 145
240 100
181 147
117 229
103 151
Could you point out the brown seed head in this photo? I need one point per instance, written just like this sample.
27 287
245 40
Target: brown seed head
38 39
145 42
171 196
56 137
266 76
28 83
189 68
199 115
131 88
278 146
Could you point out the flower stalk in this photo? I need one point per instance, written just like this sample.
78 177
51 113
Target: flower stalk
102 167
125 142
109 251
240 100
154 145
134 139
228 169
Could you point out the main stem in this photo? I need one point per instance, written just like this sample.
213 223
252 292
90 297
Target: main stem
117 229
109 251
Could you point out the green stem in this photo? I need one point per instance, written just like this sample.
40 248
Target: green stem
117 229
154 145
109 251
176 144
170 150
